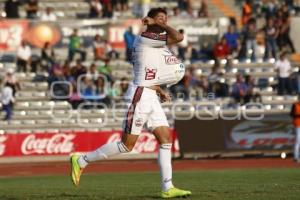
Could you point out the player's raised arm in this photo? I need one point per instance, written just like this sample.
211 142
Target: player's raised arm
173 35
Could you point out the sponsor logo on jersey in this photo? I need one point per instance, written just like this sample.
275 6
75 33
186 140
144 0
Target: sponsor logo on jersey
150 74
171 60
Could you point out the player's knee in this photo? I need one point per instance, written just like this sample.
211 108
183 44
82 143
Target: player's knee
165 139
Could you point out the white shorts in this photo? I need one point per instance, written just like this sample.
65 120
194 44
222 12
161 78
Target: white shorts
144 108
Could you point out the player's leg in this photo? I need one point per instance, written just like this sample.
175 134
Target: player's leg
164 138
160 128
132 127
79 162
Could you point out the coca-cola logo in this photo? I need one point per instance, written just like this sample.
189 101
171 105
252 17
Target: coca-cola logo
55 144
2 144
146 142
171 60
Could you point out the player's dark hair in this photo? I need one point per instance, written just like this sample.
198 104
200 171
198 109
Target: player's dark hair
154 11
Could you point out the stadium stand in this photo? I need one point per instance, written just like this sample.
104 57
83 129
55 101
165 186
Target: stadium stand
36 110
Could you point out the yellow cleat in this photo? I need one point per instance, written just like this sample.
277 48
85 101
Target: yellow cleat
75 169
175 192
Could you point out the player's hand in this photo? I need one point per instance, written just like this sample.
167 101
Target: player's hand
165 97
148 21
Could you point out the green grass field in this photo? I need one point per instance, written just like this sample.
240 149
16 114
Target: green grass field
267 184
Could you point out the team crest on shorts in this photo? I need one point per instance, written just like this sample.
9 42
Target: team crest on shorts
138 122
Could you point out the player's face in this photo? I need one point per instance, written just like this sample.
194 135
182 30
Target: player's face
161 17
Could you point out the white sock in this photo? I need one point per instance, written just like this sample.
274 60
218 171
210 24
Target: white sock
164 161
103 152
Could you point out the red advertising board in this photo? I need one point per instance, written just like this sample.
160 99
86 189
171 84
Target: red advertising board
64 143
11 33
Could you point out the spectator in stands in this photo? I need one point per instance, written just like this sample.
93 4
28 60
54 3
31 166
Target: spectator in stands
88 89
101 91
271 34
221 49
247 11
203 11
239 89
129 38
120 5
32 9
204 85
176 12
283 69
66 69
78 70
181 89
216 85
182 46
124 5
283 22
47 57
194 83
56 79
12 8
99 48
106 70
107 9
11 79
269 8
23 57
7 100
124 84
183 5
75 99
191 53
233 40
48 15
249 35
75 46
95 9
110 53
92 72
252 94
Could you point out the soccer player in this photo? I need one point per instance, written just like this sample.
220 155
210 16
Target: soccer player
153 65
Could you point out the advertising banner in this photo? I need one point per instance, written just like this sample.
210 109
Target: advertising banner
37 33
12 33
270 133
64 143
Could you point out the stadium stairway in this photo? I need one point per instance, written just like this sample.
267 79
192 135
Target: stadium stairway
228 8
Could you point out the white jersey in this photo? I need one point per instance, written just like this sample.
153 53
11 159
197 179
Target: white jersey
153 62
